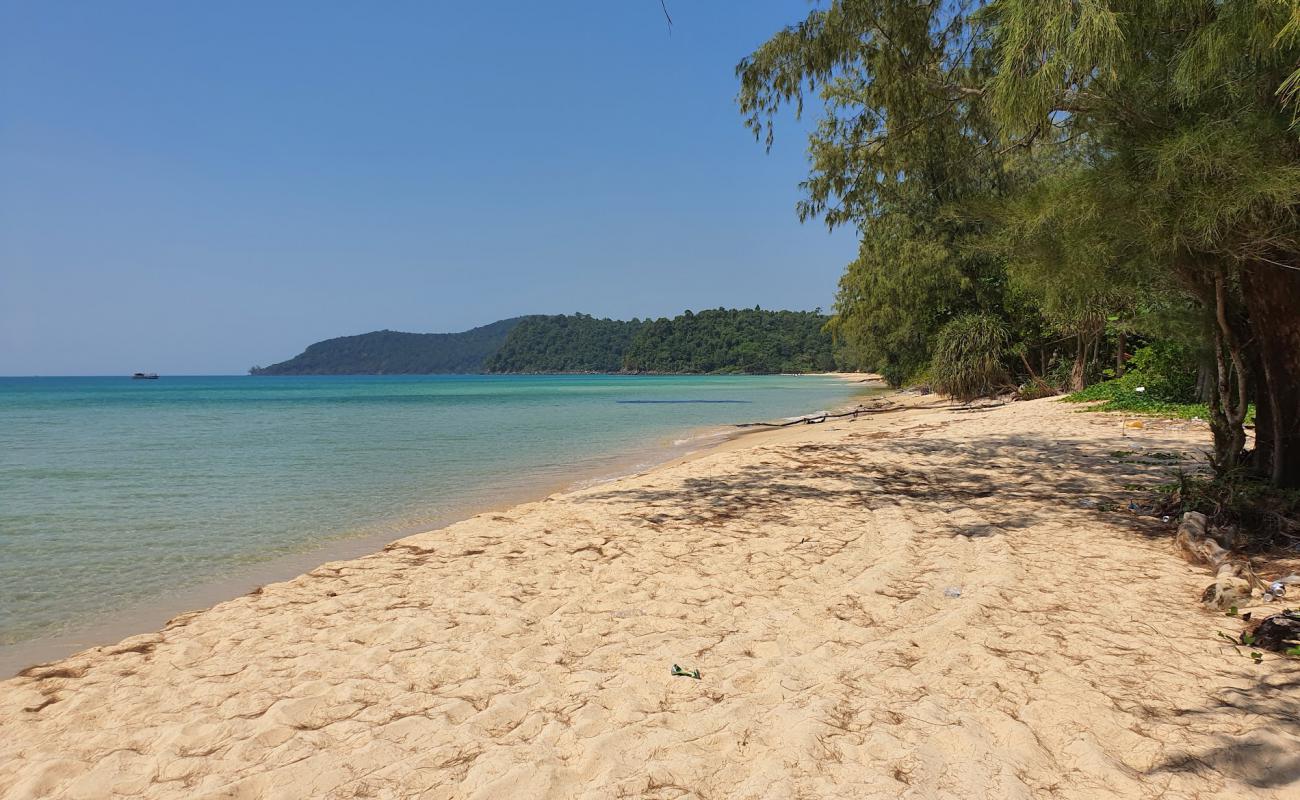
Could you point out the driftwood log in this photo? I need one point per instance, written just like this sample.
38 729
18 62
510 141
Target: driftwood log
1234 581
819 418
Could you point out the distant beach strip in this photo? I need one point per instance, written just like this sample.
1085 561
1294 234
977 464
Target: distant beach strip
675 402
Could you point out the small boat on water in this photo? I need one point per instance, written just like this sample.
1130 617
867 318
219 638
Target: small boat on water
144 376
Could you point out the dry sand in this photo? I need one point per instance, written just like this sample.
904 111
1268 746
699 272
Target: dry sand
527 653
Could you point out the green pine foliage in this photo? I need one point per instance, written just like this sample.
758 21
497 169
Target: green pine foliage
1093 174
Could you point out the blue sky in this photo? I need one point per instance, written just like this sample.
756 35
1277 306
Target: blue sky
195 187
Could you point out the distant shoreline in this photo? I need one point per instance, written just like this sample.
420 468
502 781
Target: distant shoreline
615 373
245 374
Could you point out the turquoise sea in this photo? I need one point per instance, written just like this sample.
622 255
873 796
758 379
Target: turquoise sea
125 501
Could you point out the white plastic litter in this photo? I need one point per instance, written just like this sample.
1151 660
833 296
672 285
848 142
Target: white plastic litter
952 591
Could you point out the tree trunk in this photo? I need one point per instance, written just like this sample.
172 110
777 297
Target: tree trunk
1119 354
1204 382
1272 294
1262 459
1229 401
1080 367
1092 358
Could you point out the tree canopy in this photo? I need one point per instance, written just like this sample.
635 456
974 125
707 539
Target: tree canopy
733 340
565 343
1084 172
717 340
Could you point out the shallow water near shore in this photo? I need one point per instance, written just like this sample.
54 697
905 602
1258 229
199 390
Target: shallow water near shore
120 495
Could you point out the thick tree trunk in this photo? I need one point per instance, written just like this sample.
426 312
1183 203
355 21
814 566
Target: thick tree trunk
1272 294
1119 354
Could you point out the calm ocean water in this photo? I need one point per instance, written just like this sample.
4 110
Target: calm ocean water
117 493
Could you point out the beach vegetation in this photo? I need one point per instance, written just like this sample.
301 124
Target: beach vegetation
1120 394
1161 379
1101 177
969 357
1262 515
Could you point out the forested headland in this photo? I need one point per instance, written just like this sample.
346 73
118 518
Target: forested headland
754 341
398 353
565 343
733 340
1053 196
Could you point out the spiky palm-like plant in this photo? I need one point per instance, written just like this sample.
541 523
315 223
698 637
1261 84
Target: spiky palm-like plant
970 357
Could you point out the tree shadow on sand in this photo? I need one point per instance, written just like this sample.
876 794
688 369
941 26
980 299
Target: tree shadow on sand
1009 481
994 486
1266 755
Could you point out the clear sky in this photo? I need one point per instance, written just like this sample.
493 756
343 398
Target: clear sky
191 187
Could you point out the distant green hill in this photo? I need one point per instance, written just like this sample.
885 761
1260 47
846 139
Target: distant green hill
396 353
747 340
565 343
718 340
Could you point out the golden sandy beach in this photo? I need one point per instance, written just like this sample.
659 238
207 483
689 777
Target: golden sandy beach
806 573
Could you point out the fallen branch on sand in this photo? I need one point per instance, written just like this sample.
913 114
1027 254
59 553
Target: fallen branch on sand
983 407
1233 582
819 418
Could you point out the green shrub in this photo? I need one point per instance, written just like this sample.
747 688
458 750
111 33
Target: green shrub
1121 395
920 377
894 374
1035 389
1058 372
1167 371
969 357
1161 380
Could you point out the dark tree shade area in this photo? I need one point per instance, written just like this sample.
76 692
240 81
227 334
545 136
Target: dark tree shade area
397 353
